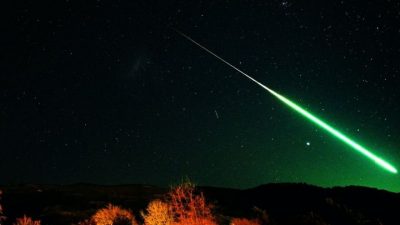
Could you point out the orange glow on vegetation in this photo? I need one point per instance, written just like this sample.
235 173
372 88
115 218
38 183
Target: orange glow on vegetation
188 207
183 206
26 221
243 221
157 213
112 215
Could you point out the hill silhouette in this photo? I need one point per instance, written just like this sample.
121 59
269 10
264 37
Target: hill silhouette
283 203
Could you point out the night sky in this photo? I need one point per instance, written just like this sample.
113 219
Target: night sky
107 93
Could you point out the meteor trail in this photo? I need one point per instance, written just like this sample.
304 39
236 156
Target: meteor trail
377 160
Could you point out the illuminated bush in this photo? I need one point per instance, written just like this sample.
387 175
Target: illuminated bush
157 213
113 215
26 221
188 207
197 221
183 206
242 221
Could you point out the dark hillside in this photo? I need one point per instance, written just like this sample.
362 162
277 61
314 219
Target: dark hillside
282 203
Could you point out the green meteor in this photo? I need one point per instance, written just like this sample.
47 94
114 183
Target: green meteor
377 160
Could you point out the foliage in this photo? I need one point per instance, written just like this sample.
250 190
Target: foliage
188 207
243 221
26 221
197 221
113 215
157 213
183 206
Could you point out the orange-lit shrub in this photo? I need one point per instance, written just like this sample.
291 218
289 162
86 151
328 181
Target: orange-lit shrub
113 215
188 207
157 213
26 221
197 221
243 221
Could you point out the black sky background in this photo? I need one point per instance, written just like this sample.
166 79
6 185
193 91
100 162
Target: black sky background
106 92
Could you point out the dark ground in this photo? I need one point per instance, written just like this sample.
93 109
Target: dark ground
283 203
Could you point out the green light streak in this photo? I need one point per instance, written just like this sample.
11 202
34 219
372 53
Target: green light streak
377 160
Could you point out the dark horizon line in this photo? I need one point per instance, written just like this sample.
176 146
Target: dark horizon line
198 185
